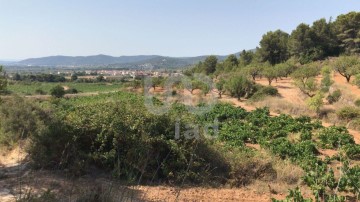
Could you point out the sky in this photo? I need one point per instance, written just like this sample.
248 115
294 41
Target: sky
38 28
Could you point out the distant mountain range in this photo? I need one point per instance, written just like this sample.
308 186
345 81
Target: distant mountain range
140 61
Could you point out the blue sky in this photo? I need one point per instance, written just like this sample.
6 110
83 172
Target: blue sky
36 28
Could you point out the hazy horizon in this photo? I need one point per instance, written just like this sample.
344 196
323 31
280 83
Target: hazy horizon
39 28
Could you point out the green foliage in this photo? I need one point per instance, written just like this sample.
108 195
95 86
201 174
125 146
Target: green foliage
348 113
315 102
220 86
246 58
294 196
74 77
335 137
313 43
116 132
210 63
347 66
264 91
284 69
357 102
352 151
253 70
347 29
304 78
3 80
357 80
40 92
326 81
270 73
100 78
71 91
334 97
58 91
19 119
239 86
157 81
273 47
230 63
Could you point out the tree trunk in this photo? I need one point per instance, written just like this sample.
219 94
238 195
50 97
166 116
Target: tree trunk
348 79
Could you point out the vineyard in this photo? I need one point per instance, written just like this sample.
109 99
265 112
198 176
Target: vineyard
115 132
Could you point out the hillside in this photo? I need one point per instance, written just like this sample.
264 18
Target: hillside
140 61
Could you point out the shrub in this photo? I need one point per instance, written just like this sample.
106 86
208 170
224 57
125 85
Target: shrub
315 102
269 90
122 136
352 151
264 91
58 91
334 137
357 102
334 97
40 92
71 91
348 113
239 86
19 119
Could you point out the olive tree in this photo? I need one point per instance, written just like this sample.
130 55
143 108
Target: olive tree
347 66
304 78
239 86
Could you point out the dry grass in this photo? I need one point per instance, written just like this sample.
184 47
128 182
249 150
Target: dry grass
288 176
280 105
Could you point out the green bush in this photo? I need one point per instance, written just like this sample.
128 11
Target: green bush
40 92
122 136
240 86
335 137
334 97
357 102
57 91
19 119
71 91
269 90
263 91
348 113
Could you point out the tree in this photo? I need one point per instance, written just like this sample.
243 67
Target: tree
270 73
274 47
157 81
325 38
100 78
246 57
301 42
254 70
3 80
239 86
74 77
195 84
210 64
230 62
348 32
347 66
219 69
17 77
220 87
57 91
304 78
315 102
284 69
